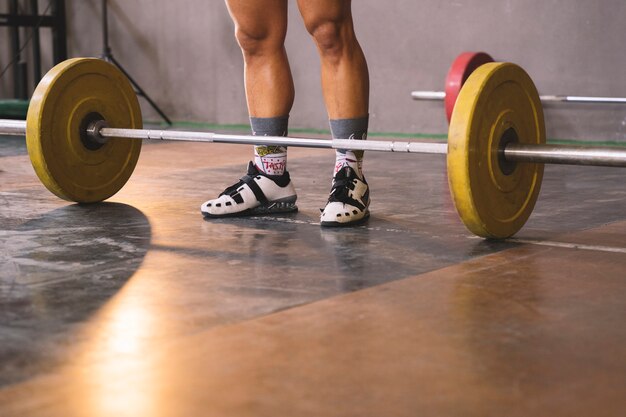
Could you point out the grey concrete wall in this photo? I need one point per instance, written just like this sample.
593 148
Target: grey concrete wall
183 53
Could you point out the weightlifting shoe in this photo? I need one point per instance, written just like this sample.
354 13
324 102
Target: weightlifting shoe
256 193
348 201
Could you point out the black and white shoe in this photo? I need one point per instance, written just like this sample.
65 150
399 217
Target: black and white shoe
348 201
255 193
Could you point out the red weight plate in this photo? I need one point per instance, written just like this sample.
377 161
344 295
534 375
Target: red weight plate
461 68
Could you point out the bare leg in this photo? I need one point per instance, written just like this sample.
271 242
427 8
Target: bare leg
345 79
260 28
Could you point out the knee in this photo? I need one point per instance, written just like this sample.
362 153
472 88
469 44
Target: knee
331 37
257 42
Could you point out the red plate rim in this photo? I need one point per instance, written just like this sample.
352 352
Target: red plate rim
461 68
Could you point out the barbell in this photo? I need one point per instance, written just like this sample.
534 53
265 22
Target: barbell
84 124
467 62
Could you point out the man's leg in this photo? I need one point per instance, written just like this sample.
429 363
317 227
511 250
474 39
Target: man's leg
345 80
345 84
260 29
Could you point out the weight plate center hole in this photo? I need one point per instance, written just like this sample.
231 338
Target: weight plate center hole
90 131
509 136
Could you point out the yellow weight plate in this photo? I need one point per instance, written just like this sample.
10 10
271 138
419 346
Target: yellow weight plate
498 104
71 94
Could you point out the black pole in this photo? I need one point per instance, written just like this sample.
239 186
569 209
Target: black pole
18 81
106 50
140 91
107 55
34 8
59 32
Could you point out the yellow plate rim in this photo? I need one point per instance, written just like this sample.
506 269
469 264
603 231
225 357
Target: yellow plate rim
459 172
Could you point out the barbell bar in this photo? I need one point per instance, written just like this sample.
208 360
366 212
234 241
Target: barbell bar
468 62
13 127
441 95
84 133
512 152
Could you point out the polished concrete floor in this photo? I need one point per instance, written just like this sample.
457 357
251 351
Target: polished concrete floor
139 307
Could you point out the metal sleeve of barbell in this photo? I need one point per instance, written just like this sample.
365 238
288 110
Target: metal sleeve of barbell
428 95
566 154
584 99
441 95
13 127
357 145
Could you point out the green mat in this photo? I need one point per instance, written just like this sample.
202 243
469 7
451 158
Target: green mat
13 109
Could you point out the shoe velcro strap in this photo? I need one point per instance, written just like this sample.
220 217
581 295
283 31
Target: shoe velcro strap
339 193
258 193
347 200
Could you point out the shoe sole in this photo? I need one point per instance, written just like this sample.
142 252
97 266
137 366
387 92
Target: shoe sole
276 207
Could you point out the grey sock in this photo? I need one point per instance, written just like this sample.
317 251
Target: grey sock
271 160
350 129
269 126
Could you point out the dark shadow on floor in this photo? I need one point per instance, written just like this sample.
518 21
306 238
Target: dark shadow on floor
55 272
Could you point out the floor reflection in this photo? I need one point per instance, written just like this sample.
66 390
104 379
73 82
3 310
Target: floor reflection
118 345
